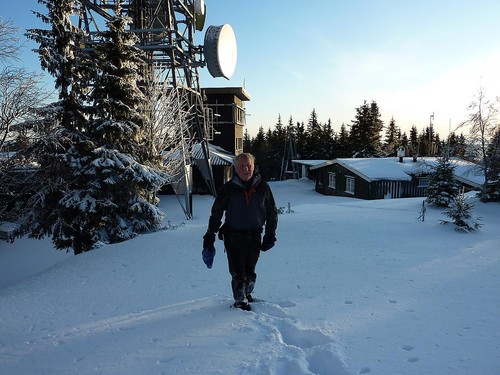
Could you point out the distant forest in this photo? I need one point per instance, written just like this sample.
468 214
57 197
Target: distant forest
366 136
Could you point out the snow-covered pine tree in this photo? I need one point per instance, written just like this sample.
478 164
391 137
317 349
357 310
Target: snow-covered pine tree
116 203
460 211
443 187
61 142
94 181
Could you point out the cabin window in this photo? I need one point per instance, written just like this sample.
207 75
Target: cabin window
423 182
349 185
331 180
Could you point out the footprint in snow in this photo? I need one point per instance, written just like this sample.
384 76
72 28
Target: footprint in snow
302 338
296 350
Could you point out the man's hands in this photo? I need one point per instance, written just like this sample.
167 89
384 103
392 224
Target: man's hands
208 252
208 240
268 241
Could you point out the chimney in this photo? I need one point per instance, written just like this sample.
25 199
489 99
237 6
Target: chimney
401 153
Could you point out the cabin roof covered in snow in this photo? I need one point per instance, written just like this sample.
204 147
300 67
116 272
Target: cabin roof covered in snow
372 169
218 156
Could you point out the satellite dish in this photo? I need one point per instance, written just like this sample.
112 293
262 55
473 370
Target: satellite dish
199 7
199 19
220 51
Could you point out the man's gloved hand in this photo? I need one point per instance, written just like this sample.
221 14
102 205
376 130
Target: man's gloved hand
208 240
268 241
208 255
208 252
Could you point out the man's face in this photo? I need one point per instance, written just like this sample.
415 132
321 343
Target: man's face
244 169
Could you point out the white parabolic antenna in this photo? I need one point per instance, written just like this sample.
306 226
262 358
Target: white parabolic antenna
220 51
199 7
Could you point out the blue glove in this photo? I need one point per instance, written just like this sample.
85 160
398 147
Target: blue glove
208 252
208 255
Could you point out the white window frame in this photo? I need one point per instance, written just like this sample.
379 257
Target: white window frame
238 145
332 182
350 184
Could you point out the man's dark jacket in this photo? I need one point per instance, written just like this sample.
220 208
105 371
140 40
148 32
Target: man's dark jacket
248 206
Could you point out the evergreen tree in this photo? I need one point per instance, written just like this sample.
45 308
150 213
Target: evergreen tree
313 137
493 154
327 142
344 149
301 140
405 142
259 149
414 142
460 212
276 139
61 55
247 141
461 146
93 187
443 188
120 181
365 130
423 143
392 138
61 130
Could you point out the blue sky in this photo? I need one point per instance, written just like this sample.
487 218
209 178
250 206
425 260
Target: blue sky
414 58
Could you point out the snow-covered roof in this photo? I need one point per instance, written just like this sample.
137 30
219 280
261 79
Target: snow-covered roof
310 163
372 169
218 156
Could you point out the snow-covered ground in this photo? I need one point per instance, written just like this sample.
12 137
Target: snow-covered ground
351 287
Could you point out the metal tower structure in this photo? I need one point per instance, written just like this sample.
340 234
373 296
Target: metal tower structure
289 154
166 29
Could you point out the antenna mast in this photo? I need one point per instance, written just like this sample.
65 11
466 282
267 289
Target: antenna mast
166 29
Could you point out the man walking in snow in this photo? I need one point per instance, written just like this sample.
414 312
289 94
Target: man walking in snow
249 207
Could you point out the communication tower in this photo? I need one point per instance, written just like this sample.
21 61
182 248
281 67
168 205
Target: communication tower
166 30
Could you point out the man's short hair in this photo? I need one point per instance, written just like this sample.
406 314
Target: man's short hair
244 155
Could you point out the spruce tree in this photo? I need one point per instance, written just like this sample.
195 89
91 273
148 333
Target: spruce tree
120 181
260 149
391 138
443 188
493 173
414 149
460 213
344 149
313 138
62 141
365 130
94 181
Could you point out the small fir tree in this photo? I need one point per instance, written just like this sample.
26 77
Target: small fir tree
443 188
460 213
